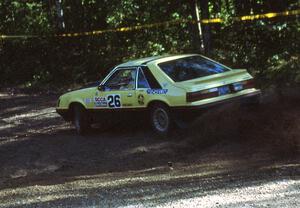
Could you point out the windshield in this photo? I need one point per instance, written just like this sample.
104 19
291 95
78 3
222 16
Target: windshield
191 67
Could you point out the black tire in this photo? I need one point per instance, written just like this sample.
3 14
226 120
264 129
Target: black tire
251 103
184 122
81 120
161 120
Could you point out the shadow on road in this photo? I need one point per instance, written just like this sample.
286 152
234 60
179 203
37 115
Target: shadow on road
227 147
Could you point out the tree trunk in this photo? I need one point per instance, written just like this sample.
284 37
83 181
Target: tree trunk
205 27
60 15
196 31
216 29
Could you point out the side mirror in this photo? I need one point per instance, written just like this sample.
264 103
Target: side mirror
101 87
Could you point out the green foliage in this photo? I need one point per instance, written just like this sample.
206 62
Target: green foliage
268 48
284 70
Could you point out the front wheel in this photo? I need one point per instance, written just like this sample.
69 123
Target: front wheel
160 119
80 120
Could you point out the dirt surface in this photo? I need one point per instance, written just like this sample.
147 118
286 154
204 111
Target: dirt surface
231 157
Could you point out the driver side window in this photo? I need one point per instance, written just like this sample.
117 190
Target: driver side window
122 79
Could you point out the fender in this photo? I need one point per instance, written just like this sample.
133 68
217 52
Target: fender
76 100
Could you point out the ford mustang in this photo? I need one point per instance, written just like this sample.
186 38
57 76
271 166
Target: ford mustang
169 90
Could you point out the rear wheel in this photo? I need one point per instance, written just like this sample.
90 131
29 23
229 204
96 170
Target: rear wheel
184 122
160 119
252 102
80 120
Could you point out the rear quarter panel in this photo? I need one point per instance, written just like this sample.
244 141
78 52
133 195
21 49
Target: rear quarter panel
175 96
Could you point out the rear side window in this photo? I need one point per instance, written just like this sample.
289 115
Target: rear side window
154 84
191 67
142 81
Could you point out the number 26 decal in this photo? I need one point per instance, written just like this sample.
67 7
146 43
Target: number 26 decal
114 101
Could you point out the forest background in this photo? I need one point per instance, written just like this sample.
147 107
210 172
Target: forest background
35 54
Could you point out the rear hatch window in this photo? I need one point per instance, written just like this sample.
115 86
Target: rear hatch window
191 67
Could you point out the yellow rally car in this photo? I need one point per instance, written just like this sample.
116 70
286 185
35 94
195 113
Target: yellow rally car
169 89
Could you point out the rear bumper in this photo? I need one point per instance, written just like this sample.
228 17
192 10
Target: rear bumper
253 97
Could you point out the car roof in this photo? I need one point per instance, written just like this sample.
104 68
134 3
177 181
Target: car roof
142 61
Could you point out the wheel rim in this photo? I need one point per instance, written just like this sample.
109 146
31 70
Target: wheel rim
160 119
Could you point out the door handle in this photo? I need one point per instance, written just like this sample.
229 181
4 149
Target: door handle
129 95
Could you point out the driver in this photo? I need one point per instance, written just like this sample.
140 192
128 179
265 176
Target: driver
129 81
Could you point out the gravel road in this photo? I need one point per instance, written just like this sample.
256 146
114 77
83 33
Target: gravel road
231 157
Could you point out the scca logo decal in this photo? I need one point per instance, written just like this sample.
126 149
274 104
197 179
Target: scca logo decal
100 101
157 91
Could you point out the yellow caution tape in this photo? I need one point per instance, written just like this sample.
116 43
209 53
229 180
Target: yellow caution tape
17 36
208 21
166 23
269 15
173 22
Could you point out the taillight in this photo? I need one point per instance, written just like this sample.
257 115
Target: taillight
200 95
248 84
214 92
